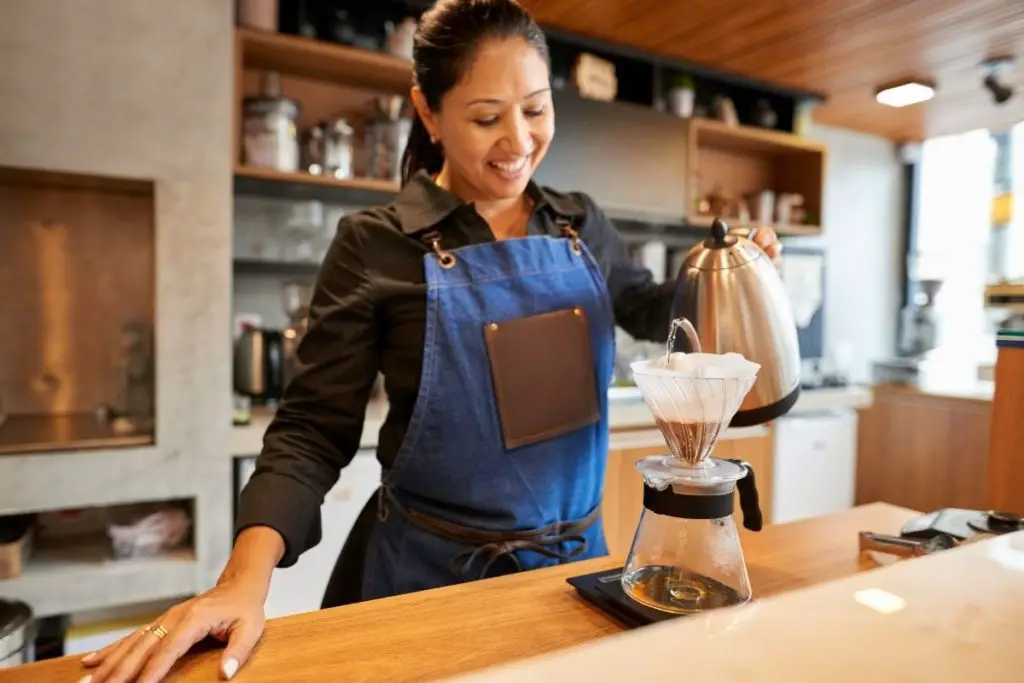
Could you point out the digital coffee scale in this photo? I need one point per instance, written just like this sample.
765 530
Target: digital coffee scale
604 590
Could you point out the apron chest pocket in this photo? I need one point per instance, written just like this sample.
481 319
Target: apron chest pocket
544 376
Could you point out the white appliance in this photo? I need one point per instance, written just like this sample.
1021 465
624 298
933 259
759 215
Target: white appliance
300 588
815 465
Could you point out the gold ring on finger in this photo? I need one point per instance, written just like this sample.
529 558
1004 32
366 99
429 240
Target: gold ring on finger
159 631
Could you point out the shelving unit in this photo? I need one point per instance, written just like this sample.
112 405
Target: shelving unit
736 161
251 266
315 60
79 575
305 186
704 222
334 80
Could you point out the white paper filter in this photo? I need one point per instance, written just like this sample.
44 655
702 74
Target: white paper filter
703 390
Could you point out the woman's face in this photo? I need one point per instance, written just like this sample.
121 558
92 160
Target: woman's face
496 123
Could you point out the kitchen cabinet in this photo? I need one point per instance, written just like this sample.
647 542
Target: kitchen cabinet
624 493
300 588
815 463
923 450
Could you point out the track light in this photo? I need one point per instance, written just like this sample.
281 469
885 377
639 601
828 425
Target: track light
993 72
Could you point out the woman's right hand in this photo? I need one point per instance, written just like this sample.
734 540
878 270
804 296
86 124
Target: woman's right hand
231 612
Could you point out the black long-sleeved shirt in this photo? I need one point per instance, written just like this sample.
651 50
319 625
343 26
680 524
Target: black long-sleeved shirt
368 314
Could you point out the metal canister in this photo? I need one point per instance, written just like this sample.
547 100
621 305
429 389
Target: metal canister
386 142
338 149
270 136
17 634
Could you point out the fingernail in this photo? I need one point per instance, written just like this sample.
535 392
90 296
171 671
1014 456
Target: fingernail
89 657
230 667
87 679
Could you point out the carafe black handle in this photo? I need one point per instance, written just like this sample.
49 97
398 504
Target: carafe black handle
750 505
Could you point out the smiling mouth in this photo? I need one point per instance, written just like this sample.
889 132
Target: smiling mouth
509 167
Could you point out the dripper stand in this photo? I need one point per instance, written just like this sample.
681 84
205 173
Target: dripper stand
686 556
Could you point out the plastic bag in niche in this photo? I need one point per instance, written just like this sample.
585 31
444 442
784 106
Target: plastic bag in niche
150 534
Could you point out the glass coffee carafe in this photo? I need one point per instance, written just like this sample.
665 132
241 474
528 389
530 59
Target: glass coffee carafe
686 555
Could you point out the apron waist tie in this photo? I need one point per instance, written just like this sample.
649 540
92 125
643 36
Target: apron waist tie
496 544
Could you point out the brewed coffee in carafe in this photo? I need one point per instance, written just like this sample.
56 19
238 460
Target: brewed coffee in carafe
686 555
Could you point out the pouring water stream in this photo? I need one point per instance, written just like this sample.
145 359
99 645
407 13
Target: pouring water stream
691 335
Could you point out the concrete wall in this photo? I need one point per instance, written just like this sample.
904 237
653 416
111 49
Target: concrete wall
140 90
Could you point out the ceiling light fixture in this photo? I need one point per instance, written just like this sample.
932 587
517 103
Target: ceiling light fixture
905 93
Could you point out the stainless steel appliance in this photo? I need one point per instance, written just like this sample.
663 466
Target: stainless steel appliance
730 290
259 364
386 134
17 634
918 324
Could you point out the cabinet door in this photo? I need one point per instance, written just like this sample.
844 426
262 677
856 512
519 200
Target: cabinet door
624 489
815 465
300 588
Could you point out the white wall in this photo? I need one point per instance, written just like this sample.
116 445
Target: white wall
863 235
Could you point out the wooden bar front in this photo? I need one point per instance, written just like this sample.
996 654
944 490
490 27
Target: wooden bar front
1006 441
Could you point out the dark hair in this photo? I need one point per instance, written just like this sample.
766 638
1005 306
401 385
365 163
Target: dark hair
446 41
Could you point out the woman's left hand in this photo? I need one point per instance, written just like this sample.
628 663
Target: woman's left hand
766 238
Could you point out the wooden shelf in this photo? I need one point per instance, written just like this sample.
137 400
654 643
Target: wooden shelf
704 222
322 61
736 162
79 574
298 269
752 140
262 182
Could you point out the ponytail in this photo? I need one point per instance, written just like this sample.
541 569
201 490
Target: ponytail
421 154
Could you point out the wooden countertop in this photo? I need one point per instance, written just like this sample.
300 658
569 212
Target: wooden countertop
949 617
444 632
980 391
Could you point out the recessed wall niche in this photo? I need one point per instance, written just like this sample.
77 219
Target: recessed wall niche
77 309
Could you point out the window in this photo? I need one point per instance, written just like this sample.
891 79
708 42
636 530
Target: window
953 236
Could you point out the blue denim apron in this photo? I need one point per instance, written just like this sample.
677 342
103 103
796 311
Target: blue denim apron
453 464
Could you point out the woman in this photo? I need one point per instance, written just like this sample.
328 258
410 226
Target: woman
489 305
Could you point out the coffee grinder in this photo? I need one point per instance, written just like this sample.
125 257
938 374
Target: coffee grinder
685 556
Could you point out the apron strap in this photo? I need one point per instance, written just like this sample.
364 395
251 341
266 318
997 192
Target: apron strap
495 544
432 238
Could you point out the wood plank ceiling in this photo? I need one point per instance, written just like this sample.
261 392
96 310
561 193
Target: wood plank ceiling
845 49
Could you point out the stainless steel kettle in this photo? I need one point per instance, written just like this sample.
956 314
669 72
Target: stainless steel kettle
730 291
259 370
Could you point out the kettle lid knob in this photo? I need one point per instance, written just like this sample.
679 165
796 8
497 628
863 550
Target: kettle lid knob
719 230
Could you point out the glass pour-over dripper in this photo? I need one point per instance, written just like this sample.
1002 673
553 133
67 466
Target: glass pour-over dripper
686 556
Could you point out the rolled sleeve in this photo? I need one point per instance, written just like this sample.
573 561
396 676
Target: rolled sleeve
642 307
317 428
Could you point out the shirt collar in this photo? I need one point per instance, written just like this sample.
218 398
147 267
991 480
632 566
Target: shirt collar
422 203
